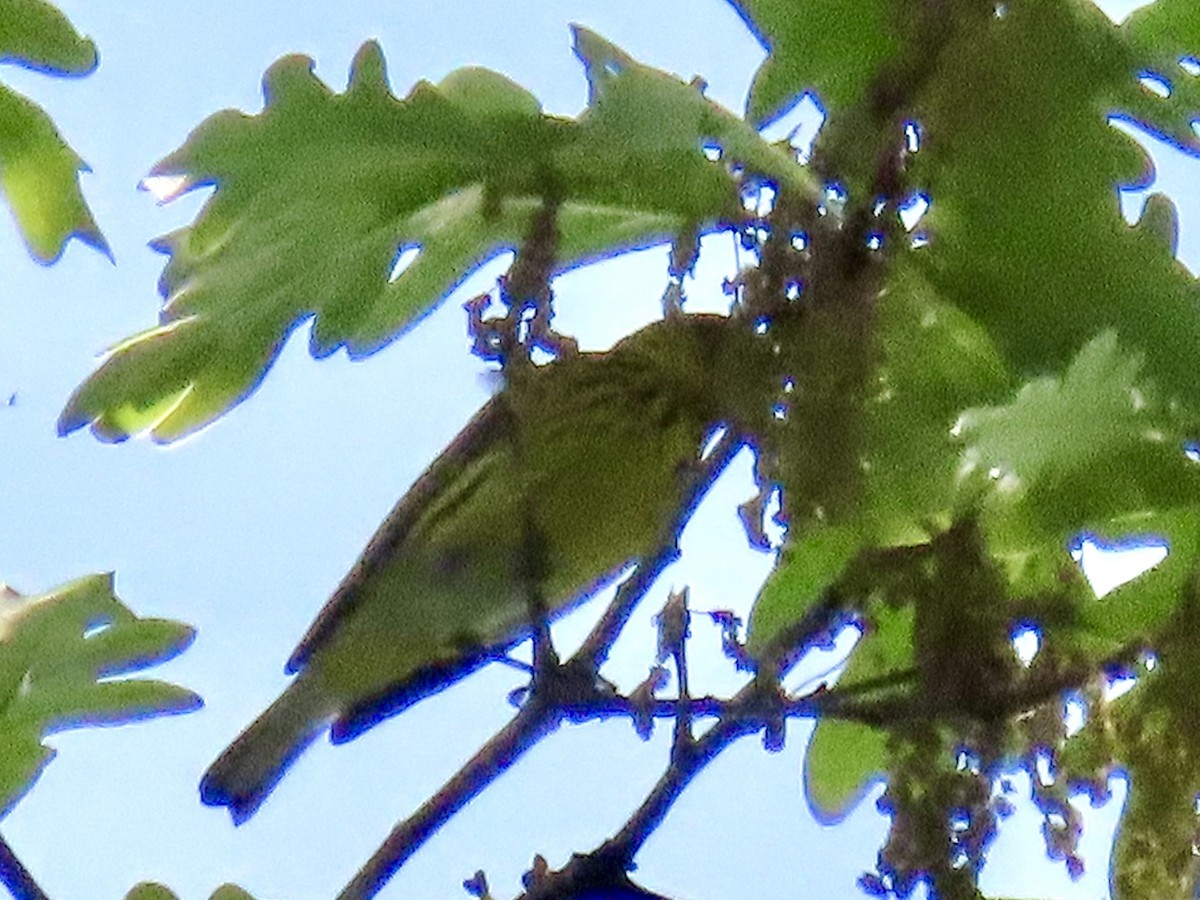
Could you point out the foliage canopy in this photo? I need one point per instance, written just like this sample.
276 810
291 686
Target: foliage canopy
941 411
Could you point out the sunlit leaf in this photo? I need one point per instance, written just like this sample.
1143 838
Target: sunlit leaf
39 173
60 657
843 755
317 196
1074 453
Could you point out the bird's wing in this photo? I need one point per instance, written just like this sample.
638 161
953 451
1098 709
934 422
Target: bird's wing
479 434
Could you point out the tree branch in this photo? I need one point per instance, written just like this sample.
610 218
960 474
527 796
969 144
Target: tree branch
595 649
15 877
757 706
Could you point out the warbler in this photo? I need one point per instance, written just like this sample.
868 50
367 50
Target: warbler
561 480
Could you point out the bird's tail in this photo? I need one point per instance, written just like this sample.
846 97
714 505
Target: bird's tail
248 770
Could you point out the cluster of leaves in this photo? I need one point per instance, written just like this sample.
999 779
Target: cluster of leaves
955 403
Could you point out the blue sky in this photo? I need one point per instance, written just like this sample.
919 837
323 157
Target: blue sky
243 530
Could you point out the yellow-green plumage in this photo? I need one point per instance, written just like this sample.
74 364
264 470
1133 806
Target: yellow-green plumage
555 485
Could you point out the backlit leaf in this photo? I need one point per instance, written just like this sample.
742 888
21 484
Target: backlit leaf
60 655
317 196
39 173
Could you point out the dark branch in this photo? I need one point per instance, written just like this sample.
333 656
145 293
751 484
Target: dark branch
757 707
15 877
533 722
594 651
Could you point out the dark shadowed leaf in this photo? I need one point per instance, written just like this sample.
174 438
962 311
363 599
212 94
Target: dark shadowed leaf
844 756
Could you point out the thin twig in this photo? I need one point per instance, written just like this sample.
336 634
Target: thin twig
683 740
533 722
752 709
595 649
15 877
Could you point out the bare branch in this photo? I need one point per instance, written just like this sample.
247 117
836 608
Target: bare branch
15 877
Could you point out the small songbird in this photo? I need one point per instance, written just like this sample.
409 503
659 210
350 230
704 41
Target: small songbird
560 481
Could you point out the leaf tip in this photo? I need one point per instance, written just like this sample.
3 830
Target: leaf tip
368 71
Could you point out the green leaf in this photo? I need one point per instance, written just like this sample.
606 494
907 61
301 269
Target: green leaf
149 890
1075 453
842 758
317 195
1142 606
885 648
831 47
807 567
39 173
934 362
1022 167
230 892
1159 37
642 136
36 34
60 653
843 755
1152 732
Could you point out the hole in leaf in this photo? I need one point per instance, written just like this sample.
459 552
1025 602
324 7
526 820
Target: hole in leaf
1074 716
1155 84
1107 566
711 149
97 627
835 194
1191 65
1027 641
912 137
911 211
405 257
758 197
798 124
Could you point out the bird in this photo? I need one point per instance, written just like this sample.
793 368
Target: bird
566 476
